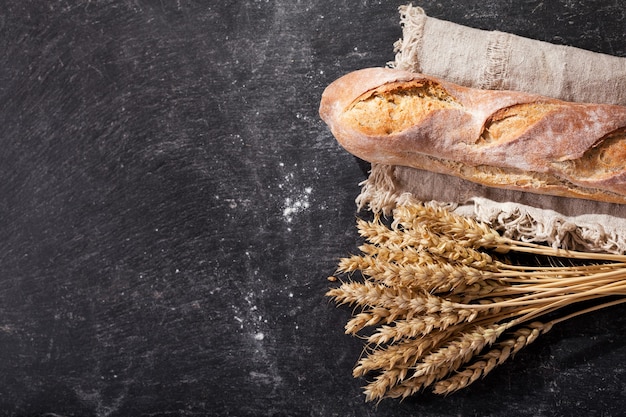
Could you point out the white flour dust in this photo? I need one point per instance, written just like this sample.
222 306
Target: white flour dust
297 200
296 204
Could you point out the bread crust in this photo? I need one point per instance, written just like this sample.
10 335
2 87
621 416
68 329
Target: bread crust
503 139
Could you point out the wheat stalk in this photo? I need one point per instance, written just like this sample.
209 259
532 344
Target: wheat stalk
448 307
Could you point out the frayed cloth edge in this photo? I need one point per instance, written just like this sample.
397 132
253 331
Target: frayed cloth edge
593 233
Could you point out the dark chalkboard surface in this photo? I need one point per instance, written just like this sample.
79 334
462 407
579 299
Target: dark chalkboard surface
171 205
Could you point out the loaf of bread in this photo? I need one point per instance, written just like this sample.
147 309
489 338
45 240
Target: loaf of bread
503 139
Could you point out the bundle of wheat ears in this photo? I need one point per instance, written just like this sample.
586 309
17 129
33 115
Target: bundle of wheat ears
446 299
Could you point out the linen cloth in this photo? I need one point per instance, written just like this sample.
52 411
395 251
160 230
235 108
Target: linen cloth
496 60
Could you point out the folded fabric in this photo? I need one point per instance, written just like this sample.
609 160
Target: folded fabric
497 60
502 61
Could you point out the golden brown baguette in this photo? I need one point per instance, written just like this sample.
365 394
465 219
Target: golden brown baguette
503 139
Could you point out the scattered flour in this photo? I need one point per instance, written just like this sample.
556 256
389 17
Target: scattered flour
297 200
296 204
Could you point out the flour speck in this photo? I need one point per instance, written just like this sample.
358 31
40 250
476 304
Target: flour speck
296 203
295 198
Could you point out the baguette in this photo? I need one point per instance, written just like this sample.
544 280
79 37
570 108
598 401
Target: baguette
504 139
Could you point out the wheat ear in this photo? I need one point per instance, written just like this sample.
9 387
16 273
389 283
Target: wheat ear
447 307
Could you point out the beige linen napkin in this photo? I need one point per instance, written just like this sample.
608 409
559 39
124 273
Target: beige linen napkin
502 61
496 60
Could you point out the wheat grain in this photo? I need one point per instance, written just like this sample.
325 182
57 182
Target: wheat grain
466 231
494 357
420 325
459 350
438 298
370 318
402 354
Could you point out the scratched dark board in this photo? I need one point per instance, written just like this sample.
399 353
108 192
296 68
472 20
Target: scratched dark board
171 205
